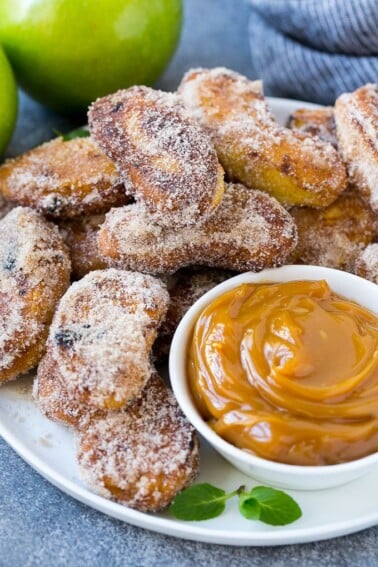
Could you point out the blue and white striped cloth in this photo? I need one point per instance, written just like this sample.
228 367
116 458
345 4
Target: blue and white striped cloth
314 49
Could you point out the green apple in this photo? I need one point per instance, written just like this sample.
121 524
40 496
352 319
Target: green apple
8 102
66 53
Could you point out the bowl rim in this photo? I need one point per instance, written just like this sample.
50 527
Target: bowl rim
178 375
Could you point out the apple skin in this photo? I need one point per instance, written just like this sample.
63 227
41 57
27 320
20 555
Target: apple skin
8 102
66 53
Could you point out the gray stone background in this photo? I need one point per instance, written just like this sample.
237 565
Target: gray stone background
39 525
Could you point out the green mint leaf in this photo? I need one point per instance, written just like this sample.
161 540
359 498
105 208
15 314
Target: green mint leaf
249 507
275 507
78 133
199 502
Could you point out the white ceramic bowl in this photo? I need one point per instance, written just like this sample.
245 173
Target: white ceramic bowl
269 472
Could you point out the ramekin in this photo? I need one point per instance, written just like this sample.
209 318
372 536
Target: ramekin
269 472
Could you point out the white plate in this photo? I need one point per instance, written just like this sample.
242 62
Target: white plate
50 449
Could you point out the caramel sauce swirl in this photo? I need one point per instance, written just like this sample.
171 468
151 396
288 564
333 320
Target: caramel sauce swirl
289 372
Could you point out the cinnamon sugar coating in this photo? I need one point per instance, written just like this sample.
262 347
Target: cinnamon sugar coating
295 168
356 116
5 206
249 231
34 274
63 179
102 333
187 285
54 401
367 263
166 161
318 122
80 235
333 236
143 455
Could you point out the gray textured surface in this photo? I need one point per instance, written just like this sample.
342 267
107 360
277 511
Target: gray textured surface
39 525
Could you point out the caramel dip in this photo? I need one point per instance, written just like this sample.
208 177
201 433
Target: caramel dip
288 372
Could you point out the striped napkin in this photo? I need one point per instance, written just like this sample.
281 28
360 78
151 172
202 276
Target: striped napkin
314 49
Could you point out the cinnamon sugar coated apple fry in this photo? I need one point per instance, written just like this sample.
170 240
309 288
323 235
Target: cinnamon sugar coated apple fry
165 159
143 455
367 263
102 334
316 122
253 149
249 231
34 274
63 179
54 400
333 236
80 235
189 285
356 116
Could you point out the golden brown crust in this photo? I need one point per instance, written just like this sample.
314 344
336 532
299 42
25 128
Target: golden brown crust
187 285
367 263
249 231
253 149
318 122
63 179
143 455
102 333
333 236
165 159
34 274
80 235
356 116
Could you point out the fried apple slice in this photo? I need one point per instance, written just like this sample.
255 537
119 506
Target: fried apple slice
143 455
333 236
294 168
249 231
188 285
102 334
166 161
34 274
54 401
80 235
63 179
318 122
356 116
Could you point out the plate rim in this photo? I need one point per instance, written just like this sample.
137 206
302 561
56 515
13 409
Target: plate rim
177 528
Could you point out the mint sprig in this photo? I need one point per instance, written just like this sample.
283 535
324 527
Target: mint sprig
205 501
77 133
200 502
269 505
